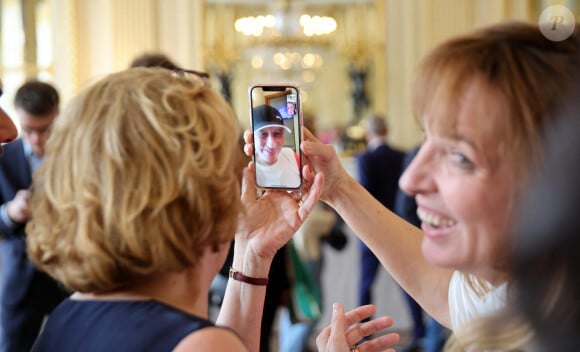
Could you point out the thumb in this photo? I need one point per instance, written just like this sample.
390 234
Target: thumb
249 184
337 328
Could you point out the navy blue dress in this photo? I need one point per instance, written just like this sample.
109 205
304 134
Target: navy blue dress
116 326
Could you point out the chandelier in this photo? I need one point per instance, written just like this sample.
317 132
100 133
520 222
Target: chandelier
311 25
287 37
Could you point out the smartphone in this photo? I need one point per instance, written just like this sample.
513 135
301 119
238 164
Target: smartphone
276 119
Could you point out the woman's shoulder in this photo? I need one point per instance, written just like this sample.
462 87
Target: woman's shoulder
470 297
213 338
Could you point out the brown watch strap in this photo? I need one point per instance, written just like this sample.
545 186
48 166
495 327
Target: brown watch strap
238 276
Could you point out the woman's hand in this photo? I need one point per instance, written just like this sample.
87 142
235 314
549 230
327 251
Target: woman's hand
341 337
269 221
323 158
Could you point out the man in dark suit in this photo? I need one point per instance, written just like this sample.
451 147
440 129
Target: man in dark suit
26 295
379 169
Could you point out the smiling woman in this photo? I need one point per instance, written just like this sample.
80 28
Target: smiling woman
484 100
459 164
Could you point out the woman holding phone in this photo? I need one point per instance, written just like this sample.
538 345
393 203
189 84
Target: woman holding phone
135 208
484 100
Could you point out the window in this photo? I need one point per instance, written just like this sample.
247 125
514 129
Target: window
23 59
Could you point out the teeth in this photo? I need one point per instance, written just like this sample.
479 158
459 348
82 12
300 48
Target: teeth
434 220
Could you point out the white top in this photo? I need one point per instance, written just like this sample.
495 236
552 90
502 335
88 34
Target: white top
284 173
466 304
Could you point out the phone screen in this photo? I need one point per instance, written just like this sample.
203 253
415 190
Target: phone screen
276 124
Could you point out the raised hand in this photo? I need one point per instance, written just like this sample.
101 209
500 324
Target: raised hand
270 220
343 335
323 158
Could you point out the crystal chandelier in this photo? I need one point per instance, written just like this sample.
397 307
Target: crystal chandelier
311 25
288 37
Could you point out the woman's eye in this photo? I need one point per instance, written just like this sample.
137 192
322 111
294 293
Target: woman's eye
462 161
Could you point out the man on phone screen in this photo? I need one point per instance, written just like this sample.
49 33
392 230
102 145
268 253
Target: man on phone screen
276 165
291 108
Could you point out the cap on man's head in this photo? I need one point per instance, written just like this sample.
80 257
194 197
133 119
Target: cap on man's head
267 116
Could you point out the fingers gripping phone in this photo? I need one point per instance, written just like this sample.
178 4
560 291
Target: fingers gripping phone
276 117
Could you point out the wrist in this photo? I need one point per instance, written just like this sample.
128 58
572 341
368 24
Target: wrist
342 190
239 276
248 262
5 217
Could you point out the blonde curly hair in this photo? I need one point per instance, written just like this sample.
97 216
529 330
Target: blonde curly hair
140 176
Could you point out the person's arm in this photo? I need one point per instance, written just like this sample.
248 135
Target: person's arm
268 223
211 339
394 241
5 220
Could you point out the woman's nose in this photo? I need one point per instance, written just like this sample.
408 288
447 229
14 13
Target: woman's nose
417 177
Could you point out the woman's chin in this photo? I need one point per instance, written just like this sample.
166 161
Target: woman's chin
437 255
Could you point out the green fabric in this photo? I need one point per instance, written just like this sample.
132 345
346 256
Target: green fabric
305 300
